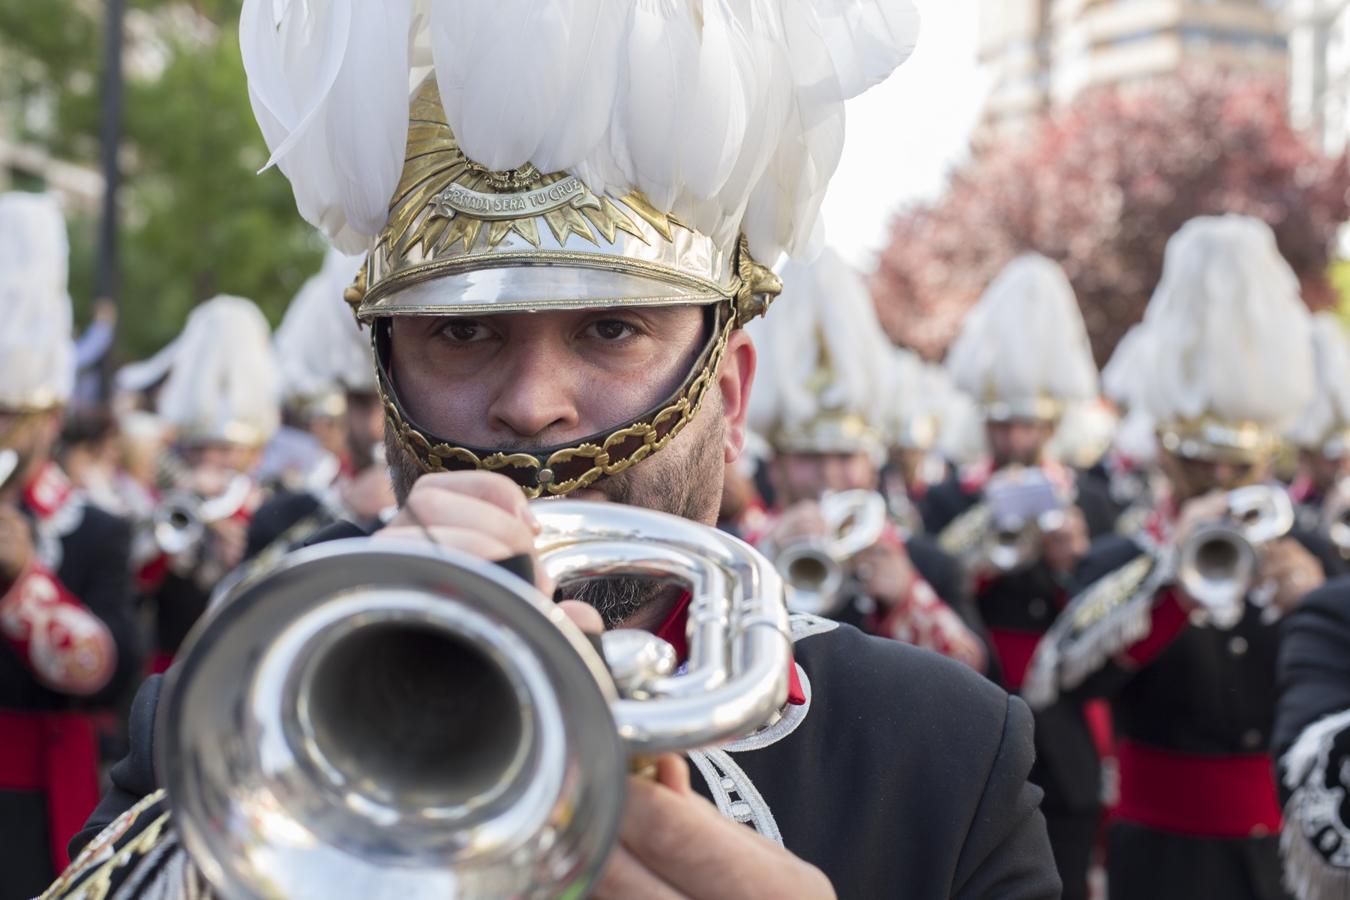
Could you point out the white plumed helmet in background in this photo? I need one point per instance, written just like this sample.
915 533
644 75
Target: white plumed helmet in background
324 353
1226 365
1023 352
1136 434
224 383
911 411
37 350
1324 425
564 154
824 363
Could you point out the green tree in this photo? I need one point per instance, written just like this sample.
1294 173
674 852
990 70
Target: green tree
197 219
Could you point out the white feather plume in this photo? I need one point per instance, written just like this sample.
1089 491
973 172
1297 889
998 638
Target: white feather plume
37 350
224 374
328 82
824 316
1121 376
320 347
1025 339
1229 335
1330 407
726 113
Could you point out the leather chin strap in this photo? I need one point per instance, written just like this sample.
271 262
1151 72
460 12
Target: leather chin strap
557 471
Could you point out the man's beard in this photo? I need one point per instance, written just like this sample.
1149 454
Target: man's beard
683 479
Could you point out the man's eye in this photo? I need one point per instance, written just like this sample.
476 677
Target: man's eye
465 331
612 329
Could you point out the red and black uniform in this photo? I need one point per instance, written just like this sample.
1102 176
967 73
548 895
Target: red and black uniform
1193 709
936 613
179 590
70 647
1017 608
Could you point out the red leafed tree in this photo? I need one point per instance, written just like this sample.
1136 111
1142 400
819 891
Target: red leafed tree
1099 187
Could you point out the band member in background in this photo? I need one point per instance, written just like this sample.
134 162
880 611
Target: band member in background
1322 432
222 399
1192 683
329 378
68 636
817 402
1021 393
912 405
1128 467
1019 520
1312 744
546 324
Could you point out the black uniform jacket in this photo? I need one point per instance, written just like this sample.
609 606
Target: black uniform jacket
1312 743
91 561
1314 665
903 775
1210 692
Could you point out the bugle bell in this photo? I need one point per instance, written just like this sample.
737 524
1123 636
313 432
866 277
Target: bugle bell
179 522
1218 563
814 568
401 720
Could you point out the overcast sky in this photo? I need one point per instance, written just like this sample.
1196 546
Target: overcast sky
904 135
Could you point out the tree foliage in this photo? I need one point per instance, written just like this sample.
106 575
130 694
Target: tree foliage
197 219
1100 187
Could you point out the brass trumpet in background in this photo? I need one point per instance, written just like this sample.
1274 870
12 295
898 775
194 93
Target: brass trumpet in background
179 521
1218 562
377 719
815 568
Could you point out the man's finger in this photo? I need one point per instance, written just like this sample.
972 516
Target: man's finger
673 772
584 616
625 877
441 509
489 487
471 542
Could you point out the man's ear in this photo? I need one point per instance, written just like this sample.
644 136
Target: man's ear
734 380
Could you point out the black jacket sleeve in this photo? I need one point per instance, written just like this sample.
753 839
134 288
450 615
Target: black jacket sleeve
275 517
98 572
1314 666
1007 852
132 777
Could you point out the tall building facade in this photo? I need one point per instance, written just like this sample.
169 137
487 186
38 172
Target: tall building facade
1041 54
1319 70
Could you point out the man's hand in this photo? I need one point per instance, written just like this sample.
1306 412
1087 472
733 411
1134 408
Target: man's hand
885 573
16 546
368 494
800 522
480 513
1204 510
229 540
674 844
1291 570
1064 547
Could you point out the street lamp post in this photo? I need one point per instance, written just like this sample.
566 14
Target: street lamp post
110 138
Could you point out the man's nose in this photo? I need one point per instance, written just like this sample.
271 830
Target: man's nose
537 395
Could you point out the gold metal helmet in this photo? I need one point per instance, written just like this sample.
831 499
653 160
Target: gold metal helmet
524 241
594 158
